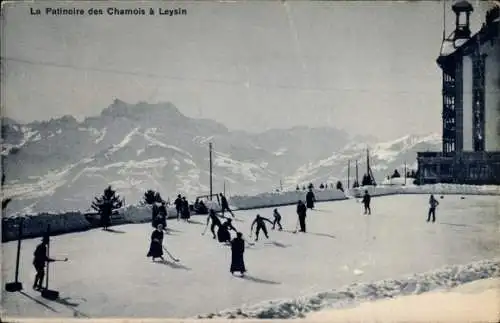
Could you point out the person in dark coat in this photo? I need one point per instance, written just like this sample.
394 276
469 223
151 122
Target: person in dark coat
106 216
301 212
162 215
277 219
178 206
202 208
261 225
225 205
215 221
310 199
433 203
237 250
223 233
39 261
154 216
156 246
186 214
366 202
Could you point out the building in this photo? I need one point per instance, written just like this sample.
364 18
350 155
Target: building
471 105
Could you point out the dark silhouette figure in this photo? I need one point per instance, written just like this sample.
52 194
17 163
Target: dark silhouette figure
162 215
396 174
39 261
186 214
321 186
225 205
310 199
340 187
277 219
215 221
178 206
366 202
261 225
301 212
154 215
297 188
223 232
105 205
433 203
156 246
237 250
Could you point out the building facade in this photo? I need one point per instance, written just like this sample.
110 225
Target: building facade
471 105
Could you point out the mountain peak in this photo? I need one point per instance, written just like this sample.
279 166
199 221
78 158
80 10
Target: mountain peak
121 108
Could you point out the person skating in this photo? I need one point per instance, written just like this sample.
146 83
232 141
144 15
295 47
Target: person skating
215 221
277 219
237 250
225 205
301 212
223 232
162 215
433 203
310 199
178 206
156 246
186 214
366 202
261 225
39 261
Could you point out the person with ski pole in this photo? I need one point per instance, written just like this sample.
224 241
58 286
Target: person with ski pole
225 205
39 262
155 247
215 222
261 225
277 219
223 233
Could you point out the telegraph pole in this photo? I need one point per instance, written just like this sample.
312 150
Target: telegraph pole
348 173
210 158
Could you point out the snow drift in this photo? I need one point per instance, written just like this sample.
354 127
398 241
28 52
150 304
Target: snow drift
446 277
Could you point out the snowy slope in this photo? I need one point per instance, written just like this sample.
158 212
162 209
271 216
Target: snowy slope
61 164
342 247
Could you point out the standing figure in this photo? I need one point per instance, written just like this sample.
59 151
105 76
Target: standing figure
223 233
156 246
178 206
215 221
237 250
433 203
277 219
225 205
162 215
260 226
366 202
301 212
39 261
154 216
186 214
310 199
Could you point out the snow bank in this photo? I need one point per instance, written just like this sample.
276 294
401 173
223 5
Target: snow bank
36 225
262 200
382 190
444 278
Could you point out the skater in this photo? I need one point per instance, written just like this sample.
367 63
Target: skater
162 215
186 214
156 246
260 226
40 258
433 203
237 250
301 212
178 206
223 233
225 205
277 219
366 202
215 221
310 199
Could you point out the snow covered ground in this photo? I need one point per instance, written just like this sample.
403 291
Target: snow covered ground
109 275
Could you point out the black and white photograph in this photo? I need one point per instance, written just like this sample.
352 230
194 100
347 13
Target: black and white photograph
327 161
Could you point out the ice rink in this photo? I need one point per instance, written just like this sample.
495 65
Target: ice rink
109 275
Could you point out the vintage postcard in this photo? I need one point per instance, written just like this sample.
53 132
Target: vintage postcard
209 160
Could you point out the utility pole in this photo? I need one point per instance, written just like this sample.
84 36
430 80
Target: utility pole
281 186
348 173
357 179
405 172
210 158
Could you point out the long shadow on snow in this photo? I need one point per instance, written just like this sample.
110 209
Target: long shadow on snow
259 280
196 222
455 224
313 233
172 265
38 302
277 244
114 231
66 302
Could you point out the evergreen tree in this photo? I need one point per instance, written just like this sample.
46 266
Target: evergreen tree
151 197
106 204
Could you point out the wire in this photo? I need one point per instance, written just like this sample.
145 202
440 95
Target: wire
215 81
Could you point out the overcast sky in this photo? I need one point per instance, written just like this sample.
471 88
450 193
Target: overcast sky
367 67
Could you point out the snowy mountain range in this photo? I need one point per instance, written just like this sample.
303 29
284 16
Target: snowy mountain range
62 164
